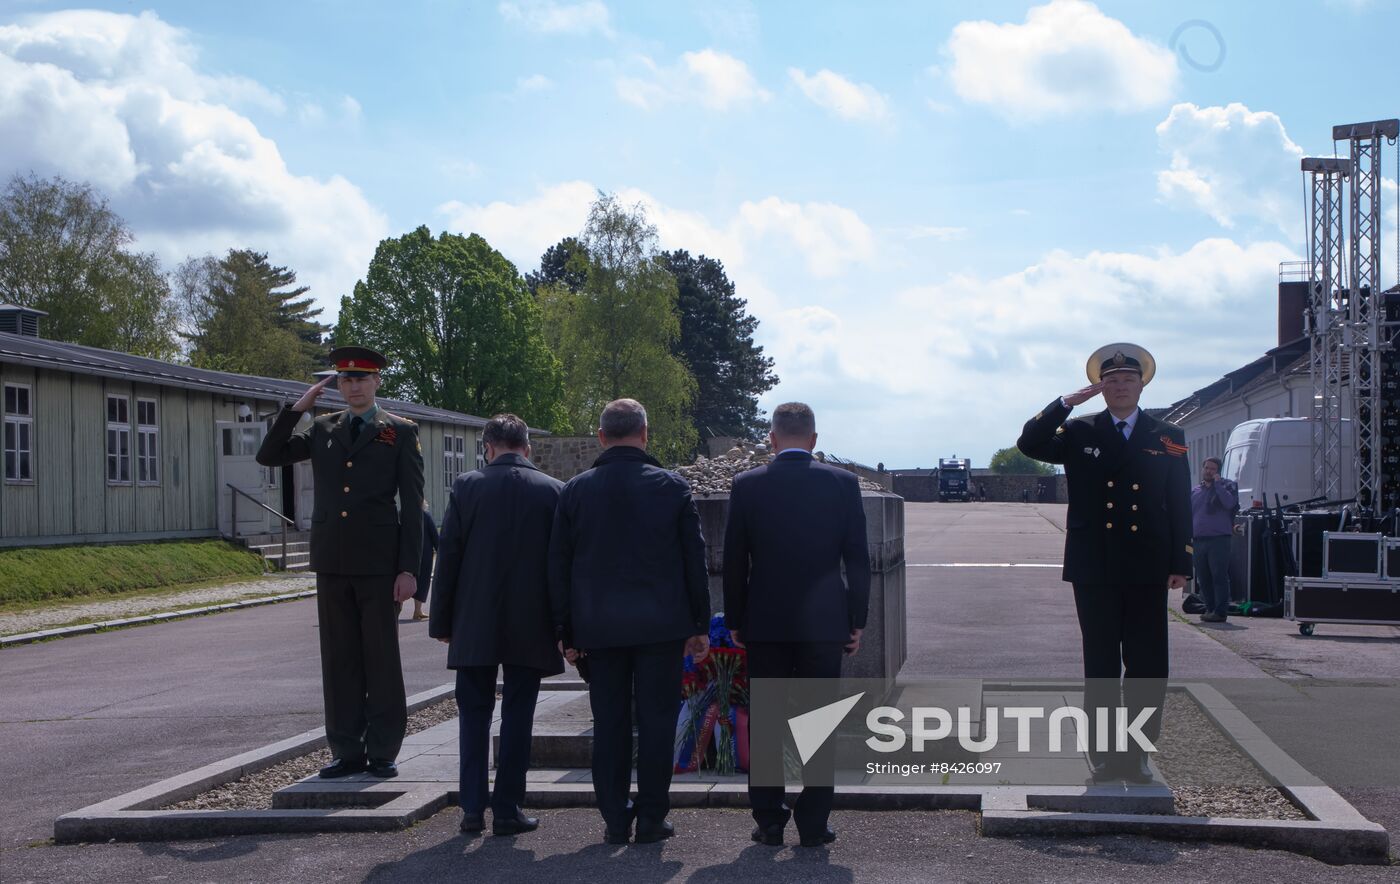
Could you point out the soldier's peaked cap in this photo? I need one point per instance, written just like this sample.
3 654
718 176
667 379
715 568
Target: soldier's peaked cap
357 361
1120 357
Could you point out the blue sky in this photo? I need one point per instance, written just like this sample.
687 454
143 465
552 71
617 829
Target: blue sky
935 214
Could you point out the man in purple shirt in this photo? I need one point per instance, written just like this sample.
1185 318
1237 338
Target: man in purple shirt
1214 503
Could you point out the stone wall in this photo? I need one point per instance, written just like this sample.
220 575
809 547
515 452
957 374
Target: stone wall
564 457
885 642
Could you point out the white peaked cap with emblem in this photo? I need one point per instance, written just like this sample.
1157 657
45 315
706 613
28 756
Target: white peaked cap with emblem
1120 357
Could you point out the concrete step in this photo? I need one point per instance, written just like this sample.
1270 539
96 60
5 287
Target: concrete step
252 540
270 549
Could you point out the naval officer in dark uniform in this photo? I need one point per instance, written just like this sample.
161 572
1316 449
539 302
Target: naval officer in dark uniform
365 551
1127 538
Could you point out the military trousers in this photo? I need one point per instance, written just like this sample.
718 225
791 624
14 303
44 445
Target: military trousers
361 673
1123 630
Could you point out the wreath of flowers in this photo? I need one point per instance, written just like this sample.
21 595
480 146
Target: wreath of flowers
712 728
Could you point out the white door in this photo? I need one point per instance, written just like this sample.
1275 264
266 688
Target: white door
237 447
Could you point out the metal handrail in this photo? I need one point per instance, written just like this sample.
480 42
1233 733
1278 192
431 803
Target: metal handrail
233 517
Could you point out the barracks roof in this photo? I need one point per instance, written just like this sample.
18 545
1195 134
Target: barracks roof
1287 359
78 359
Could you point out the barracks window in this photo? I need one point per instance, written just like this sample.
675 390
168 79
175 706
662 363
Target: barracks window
118 440
454 458
147 442
19 433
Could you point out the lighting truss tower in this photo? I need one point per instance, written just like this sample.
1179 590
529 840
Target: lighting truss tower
1327 316
1366 321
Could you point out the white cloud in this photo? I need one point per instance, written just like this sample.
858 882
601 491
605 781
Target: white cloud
847 100
522 231
1232 163
830 237
127 50
120 101
960 363
533 83
1067 57
548 17
826 239
710 78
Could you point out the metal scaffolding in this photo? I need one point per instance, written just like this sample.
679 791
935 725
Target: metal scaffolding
1354 364
1327 317
1370 334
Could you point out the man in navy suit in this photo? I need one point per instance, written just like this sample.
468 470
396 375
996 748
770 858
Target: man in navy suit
792 524
490 604
628 588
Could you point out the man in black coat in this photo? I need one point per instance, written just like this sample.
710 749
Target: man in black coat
490 604
1127 538
365 552
792 524
629 590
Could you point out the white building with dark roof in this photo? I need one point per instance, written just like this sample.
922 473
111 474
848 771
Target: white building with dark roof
101 446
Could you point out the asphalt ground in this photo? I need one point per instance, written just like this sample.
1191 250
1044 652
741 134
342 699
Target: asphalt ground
87 718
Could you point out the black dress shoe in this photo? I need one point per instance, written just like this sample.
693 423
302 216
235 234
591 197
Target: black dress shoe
382 768
618 834
826 837
771 836
649 833
342 767
472 823
513 825
1135 770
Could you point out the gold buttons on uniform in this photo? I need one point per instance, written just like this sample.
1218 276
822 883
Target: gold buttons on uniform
1134 505
347 488
1133 528
1110 504
1110 483
344 514
1109 525
349 463
1135 486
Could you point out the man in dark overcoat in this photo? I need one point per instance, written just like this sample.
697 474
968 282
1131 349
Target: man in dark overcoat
490 604
365 550
1127 539
793 524
629 589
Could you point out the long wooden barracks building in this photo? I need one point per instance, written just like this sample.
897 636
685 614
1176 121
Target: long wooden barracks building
101 446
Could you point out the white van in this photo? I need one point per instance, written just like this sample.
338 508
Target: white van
1274 456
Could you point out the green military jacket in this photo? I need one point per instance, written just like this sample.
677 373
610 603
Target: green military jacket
356 527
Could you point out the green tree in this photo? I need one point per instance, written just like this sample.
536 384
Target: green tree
615 336
716 344
459 327
564 263
1010 461
249 317
64 250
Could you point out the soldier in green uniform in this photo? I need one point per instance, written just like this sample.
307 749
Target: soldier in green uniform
365 551
1127 537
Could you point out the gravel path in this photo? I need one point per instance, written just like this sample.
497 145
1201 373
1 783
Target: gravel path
254 791
135 606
